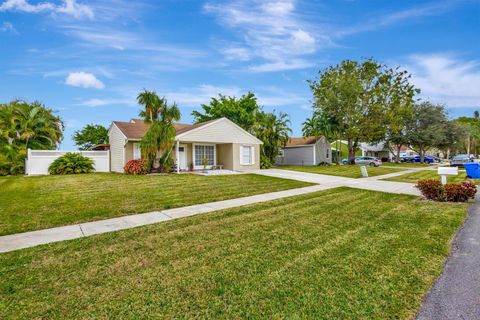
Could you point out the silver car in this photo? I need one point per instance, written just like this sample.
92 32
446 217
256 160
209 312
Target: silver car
460 159
368 161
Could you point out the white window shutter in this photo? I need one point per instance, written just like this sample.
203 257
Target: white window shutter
241 155
252 153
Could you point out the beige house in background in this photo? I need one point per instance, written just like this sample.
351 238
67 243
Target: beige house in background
223 142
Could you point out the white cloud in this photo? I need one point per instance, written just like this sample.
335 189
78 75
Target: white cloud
202 94
96 102
447 79
69 7
84 80
7 26
273 32
281 66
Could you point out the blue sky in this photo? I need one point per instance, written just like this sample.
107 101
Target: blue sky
89 59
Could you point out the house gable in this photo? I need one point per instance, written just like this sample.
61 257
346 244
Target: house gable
219 131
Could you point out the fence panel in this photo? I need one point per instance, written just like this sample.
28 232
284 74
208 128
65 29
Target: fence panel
38 161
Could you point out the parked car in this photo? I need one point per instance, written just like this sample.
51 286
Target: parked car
460 159
369 161
413 159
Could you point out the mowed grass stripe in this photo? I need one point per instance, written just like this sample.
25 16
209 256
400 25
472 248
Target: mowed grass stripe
414 177
31 203
340 253
349 171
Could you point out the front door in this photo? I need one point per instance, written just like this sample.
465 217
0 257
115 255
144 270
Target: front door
182 156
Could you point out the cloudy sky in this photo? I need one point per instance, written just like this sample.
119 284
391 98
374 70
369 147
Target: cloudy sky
89 59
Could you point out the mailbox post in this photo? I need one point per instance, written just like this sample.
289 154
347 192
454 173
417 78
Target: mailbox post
364 171
447 171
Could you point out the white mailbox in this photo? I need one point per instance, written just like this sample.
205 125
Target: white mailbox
447 171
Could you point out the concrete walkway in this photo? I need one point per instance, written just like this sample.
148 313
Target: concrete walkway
35 238
456 294
371 183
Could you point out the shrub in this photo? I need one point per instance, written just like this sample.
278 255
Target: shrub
323 163
460 192
454 192
136 167
71 163
265 162
431 189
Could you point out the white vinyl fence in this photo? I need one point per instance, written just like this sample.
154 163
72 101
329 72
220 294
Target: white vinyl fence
38 161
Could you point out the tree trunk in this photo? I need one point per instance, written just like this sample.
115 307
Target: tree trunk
338 152
468 144
421 153
397 156
351 151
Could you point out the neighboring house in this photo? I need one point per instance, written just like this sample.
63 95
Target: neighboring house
378 150
223 143
309 151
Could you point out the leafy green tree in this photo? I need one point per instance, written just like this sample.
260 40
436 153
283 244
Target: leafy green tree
352 94
157 143
90 135
428 128
273 130
471 127
242 111
26 126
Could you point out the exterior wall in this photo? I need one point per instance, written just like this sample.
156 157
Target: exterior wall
236 157
128 152
323 148
225 155
297 156
117 141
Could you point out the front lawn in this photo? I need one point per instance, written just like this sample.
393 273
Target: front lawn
413 177
30 203
349 171
408 165
337 254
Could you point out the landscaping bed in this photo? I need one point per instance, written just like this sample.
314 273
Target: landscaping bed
336 254
30 203
349 171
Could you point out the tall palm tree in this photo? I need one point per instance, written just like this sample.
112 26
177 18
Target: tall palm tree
158 142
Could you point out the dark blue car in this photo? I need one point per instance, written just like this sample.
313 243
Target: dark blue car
426 159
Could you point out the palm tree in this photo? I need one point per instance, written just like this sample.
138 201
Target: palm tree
274 132
158 142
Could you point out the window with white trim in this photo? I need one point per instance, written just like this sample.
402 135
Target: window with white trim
137 154
246 155
201 151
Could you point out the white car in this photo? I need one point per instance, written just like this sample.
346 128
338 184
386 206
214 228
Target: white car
368 161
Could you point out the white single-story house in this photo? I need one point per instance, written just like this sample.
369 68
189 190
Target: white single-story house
308 151
378 150
221 141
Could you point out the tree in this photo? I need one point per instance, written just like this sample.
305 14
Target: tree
427 128
157 143
26 126
242 111
352 94
273 130
90 135
471 127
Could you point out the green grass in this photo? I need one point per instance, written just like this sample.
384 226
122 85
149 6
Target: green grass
407 165
30 203
429 174
336 254
349 171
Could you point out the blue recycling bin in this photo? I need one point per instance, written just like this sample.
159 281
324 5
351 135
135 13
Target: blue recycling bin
473 170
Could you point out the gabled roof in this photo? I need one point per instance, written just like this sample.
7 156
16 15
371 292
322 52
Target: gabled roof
135 129
301 141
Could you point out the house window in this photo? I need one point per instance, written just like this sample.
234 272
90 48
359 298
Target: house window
201 151
137 154
246 155
328 153
282 153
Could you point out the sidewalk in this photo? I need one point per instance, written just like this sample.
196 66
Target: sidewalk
35 238
456 294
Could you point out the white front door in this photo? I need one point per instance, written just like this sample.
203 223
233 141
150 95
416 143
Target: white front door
182 156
